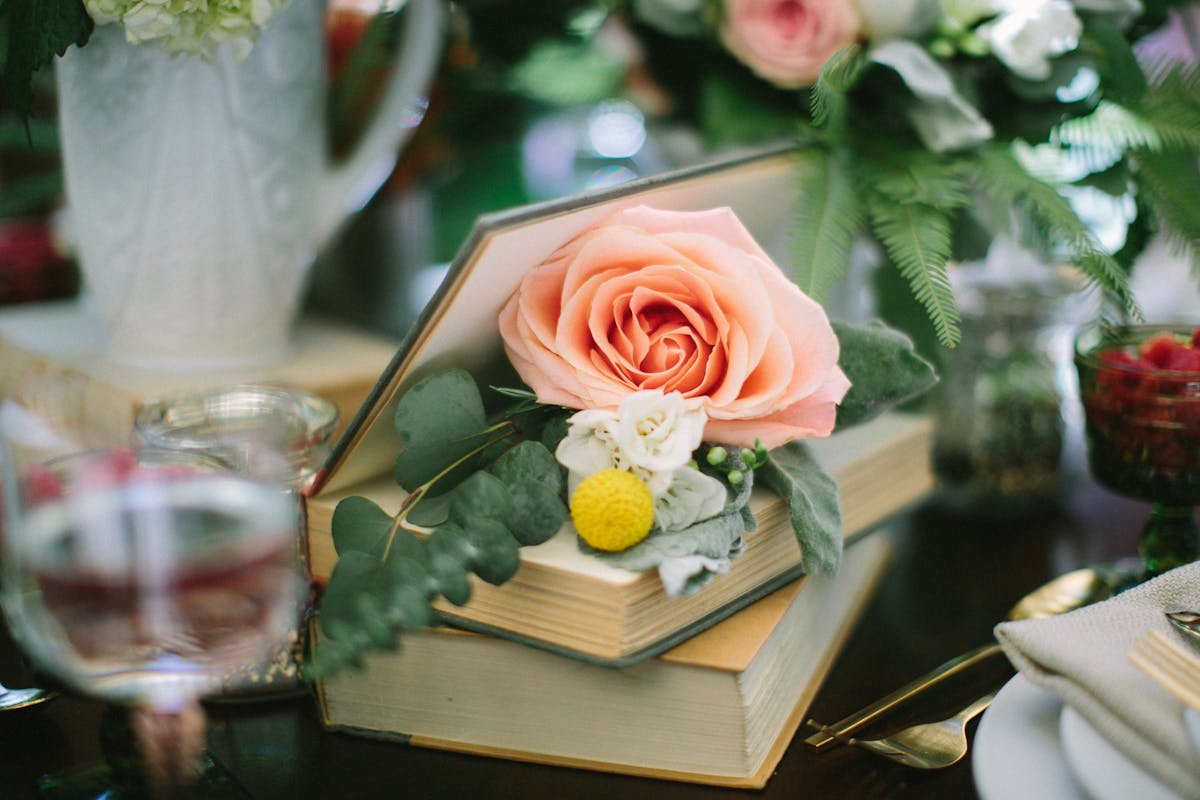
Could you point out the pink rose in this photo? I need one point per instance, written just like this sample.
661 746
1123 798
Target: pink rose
677 301
788 41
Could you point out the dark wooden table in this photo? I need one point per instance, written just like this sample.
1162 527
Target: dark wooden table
951 581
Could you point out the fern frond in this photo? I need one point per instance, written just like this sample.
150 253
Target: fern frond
918 241
1002 177
826 221
1175 119
1169 184
918 176
827 98
1054 164
845 67
1109 127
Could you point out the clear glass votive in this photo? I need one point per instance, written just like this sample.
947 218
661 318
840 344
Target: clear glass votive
276 434
249 427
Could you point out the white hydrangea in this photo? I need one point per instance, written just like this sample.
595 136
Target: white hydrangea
1028 33
192 27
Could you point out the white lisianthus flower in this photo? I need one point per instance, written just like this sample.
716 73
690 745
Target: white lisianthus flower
1028 33
659 432
652 435
691 497
591 445
193 27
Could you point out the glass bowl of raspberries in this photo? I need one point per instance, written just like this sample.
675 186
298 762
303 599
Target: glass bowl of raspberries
1140 388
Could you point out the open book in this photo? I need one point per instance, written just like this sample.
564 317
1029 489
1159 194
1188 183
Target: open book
720 708
560 598
567 601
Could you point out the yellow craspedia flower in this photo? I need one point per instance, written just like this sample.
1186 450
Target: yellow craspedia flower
612 510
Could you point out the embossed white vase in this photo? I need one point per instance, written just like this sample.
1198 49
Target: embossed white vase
199 191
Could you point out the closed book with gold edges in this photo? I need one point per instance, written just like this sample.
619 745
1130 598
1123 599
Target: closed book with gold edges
720 708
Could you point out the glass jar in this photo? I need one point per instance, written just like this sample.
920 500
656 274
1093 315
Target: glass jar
277 434
999 427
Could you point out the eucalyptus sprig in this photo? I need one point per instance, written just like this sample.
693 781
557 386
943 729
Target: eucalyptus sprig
480 490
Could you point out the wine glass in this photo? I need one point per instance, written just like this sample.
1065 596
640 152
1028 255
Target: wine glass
1140 387
145 578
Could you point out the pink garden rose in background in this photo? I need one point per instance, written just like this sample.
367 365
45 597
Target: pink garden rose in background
788 41
677 301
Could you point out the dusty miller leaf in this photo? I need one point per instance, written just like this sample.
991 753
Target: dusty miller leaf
793 473
883 368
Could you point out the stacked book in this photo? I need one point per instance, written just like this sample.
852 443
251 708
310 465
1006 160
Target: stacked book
573 661
587 669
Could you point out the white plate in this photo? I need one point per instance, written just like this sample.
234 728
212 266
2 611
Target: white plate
1103 770
1017 754
1191 718
1029 746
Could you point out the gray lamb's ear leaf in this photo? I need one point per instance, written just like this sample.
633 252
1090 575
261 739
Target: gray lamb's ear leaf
795 475
883 368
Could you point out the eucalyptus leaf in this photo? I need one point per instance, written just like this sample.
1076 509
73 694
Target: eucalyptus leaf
538 511
361 526
481 496
438 420
884 370
431 511
355 574
450 554
496 553
407 545
795 475
530 461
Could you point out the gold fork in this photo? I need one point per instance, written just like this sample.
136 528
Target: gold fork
1169 665
932 745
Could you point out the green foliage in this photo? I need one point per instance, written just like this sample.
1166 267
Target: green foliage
883 368
36 31
566 73
1109 128
352 90
732 112
1120 72
826 221
795 475
387 575
1169 185
828 101
917 238
1001 176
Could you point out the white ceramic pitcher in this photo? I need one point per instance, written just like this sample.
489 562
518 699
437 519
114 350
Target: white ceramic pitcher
200 191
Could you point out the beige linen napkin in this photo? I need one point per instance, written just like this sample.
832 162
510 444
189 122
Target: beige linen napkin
1081 657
